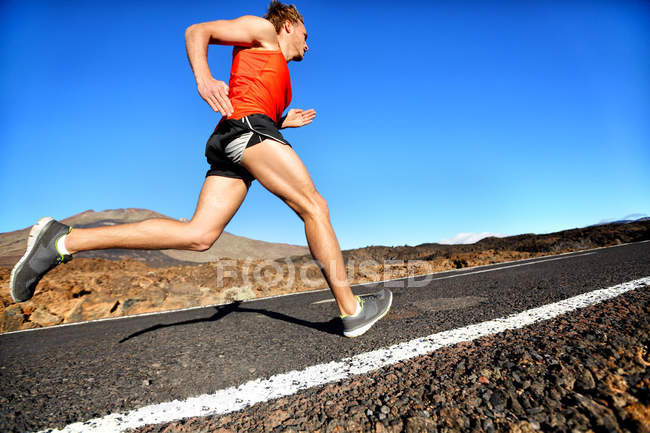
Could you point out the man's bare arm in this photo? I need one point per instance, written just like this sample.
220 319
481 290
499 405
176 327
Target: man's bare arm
245 31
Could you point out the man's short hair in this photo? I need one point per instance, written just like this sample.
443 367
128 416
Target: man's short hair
278 13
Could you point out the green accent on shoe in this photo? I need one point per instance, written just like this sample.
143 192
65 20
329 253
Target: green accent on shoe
62 257
360 301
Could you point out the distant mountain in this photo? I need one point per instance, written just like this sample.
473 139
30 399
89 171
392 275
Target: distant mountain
13 244
574 239
625 220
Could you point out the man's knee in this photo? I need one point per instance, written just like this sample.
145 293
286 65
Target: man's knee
201 240
314 206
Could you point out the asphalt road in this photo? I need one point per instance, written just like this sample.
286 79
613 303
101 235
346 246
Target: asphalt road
56 376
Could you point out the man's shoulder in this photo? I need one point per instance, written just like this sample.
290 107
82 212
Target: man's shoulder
263 29
255 20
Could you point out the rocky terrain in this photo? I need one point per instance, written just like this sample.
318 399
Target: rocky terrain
115 283
586 371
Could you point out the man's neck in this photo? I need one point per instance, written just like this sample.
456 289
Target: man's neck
284 47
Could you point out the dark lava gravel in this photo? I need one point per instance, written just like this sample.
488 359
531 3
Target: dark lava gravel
586 371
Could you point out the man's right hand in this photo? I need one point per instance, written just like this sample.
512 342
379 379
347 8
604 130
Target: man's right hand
215 93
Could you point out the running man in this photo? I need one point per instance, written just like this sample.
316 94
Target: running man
246 145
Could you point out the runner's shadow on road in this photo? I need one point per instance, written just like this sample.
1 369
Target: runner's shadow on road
332 326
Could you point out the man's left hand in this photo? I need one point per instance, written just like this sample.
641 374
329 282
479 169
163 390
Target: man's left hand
297 117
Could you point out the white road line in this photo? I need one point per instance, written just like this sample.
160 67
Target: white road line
510 266
463 271
324 301
281 385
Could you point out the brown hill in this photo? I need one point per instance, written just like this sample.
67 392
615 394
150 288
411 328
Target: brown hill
12 244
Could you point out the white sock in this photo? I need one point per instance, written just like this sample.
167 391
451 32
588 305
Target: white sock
60 245
357 311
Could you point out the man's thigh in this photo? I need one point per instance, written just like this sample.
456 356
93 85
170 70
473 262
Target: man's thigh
219 200
280 170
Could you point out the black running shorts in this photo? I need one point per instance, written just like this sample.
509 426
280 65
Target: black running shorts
226 145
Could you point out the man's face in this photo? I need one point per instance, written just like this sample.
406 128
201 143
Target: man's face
299 41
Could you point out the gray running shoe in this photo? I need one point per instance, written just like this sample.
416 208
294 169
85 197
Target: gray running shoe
40 257
373 308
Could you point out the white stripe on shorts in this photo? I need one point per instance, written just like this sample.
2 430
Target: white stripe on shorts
245 120
235 149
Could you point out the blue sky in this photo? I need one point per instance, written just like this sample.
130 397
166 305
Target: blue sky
434 118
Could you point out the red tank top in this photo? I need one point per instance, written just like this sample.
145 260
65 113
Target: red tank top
259 83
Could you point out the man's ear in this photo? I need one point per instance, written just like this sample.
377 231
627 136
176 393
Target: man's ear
288 26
